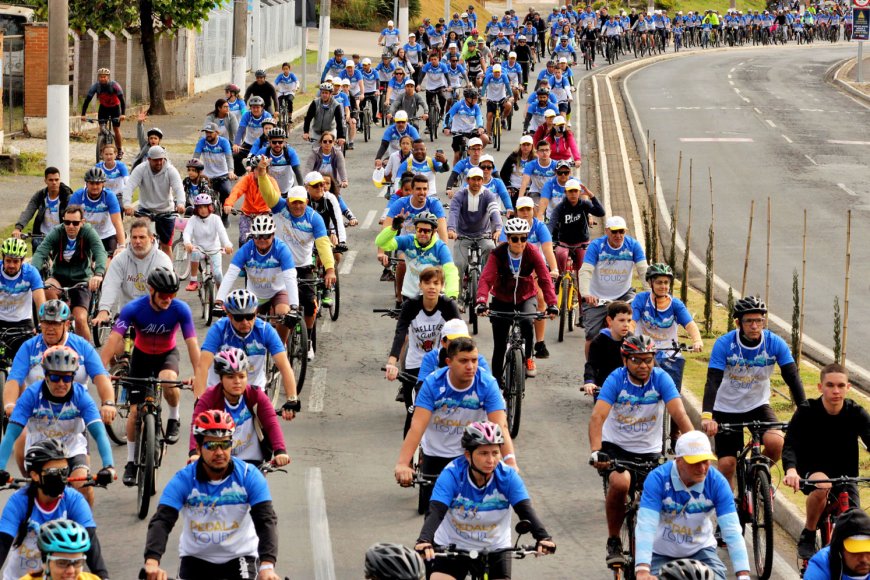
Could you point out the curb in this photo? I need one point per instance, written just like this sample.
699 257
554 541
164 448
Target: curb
833 76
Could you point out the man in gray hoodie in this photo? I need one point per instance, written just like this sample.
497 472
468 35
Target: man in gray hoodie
160 193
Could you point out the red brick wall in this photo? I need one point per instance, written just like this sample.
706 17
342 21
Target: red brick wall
1 100
35 69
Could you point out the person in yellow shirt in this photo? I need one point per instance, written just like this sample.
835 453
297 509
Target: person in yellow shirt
63 544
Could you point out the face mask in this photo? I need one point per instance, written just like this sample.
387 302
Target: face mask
52 484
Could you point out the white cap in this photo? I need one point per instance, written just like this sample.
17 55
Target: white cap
572 184
412 34
464 15
313 177
525 201
349 64
549 113
401 116
367 61
520 37
694 447
452 45
496 68
345 82
563 59
527 139
474 141
455 328
487 157
329 79
410 83
389 22
615 223
474 172
512 54
559 120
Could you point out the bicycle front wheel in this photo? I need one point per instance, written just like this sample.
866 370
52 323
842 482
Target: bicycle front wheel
273 380
117 429
762 524
336 300
180 260
564 311
209 300
473 278
514 384
297 350
626 535
147 451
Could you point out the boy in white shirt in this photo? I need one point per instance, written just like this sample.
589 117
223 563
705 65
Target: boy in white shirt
205 233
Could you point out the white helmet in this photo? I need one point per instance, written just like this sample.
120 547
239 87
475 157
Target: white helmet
517 226
262 225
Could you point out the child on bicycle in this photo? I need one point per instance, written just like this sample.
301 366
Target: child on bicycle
204 235
286 84
194 184
257 437
605 354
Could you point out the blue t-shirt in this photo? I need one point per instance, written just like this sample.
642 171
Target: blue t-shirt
263 338
659 325
539 174
265 273
16 293
27 366
538 235
403 204
116 177
98 211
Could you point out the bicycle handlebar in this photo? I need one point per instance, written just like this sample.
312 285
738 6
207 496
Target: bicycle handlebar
517 315
390 312
153 381
753 426
516 552
842 480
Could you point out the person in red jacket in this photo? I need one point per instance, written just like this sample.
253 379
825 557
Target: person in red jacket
509 275
258 436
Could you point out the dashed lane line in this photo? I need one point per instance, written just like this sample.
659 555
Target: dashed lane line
370 219
769 122
318 526
810 159
318 390
846 189
347 262
787 139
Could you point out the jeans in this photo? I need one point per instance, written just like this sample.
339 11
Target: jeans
708 556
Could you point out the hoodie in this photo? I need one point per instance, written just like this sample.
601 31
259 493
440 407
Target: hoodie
154 188
827 564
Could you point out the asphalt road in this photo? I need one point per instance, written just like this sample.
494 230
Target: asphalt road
767 125
339 496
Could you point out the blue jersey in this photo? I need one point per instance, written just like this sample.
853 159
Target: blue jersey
16 293
539 174
237 108
155 329
497 186
659 325
116 177
99 212
27 366
430 364
251 127
216 157
266 274
263 338
354 79
418 258
463 119
333 67
299 233
392 135
286 84
403 204
456 75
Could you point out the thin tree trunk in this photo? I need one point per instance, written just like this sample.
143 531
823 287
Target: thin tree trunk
149 51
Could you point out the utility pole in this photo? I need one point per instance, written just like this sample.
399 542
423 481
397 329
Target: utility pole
403 18
303 80
323 53
240 43
57 141
446 14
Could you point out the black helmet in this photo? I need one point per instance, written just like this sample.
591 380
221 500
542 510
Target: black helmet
637 344
42 452
542 92
685 569
748 305
339 51
163 280
260 73
426 217
95 175
470 94
659 269
393 562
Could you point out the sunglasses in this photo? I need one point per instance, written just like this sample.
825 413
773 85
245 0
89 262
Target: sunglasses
58 378
240 317
618 232
424 230
328 141
277 142
263 236
61 471
166 295
215 445
519 239
65 563
72 222
489 167
563 173
646 360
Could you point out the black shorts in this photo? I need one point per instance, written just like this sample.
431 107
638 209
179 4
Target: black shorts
492 106
235 569
614 451
499 566
112 114
306 290
77 296
111 244
459 141
144 365
730 444
164 226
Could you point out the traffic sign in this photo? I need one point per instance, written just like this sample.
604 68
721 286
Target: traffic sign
861 24
861 3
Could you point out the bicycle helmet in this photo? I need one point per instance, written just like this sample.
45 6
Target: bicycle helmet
241 301
256 101
232 88
230 361
637 344
481 433
685 569
749 305
214 424
104 71
60 359
251 161
95 175
277 133
542 92
63 536
394 562
426 217
164 280
659 269
42 452
470 94
327 86
339 52
14 248
517 226
202 199
260 74
563 163
262 225
195 164
53 311
155 131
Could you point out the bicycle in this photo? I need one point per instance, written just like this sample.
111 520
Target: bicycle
297 352
206 287
496 127
7 335
117 429
284 113
670 432
334 306
105 136
434 119
366 121
514 373
568 296
63 296
151 442
472 279
754 494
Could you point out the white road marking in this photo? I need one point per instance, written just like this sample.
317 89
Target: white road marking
347 262
629 178
769 122
729 76
739 64
370 219
318 526
602 156
745 100
846 189
787 139
810 159
814 110
757 110
736 90
716 140
838 142
731 83
733 68
318 389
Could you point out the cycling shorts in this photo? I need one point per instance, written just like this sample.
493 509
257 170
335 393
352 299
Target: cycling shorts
279 298
77 296
306 289
144 365
499 566
491 106
110 244
112 114
850 488
730 444
235 569
459 141
78 462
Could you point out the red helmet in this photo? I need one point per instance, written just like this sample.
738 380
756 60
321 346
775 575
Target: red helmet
214 424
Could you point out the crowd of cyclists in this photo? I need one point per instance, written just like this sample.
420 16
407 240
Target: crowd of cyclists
502 242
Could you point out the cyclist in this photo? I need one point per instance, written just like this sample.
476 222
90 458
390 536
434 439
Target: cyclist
553 191
393 562
263 89
464 121
127 274
70 542
216 155
194 184
257 436
422 164
250 130
250 189
21 290
236 104
116 171
626 424
389 37
371 90
155 319
509 277
474 213
537 109
495 184
414 52
605 352
390 140
325 204
461 169
246 544
498 92
738 382
102 211
205 237
112 107
286 84
284 163
822 442
674 520
160 193
413 104
607 273
334 65
324 115
45 207
848 554
46 499
147 139
59 408
464 495
536 174
436 358
569 222
77 256
418 202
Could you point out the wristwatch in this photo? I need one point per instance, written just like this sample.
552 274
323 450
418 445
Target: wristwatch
108 403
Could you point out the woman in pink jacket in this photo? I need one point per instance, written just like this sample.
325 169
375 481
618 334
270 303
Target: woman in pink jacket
258 436
563 146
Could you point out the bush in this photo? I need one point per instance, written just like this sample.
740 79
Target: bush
668 5
384 8
356 14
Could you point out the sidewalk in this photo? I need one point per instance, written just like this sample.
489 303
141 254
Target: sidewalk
847 76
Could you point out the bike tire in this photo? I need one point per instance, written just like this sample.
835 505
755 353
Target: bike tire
496 132
762 524
572 302
626 534
209 301
473 281
335 307
180 259
297 350
514 387
564 288
117 429
273 382
666 430
4 419
147 451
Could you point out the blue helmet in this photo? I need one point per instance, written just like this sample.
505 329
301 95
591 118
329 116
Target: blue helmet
63 536
53 311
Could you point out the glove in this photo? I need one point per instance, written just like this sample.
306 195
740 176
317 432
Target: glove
598 457
294 406
5 477
105 476
340 248
397 223
554 310
481 308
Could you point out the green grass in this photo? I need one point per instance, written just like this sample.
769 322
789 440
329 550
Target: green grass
29 163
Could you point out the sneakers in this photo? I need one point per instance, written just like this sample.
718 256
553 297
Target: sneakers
531 368
806 547
192 286
327 299
173 427
387 275
310 353
541 350
130 472
615 557
349 145
400 395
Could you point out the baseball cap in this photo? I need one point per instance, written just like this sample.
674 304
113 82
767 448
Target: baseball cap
487 157
410 83
525 201
549 113
853 544
527 139
563 59
389 22
520 37
615 223
694 447
401 116
210 128
496 68
475 172
474 141
559 120
412 34
366 61
572 184
313 177
512 55
297 193
157 152
349 64
455 328
345 82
